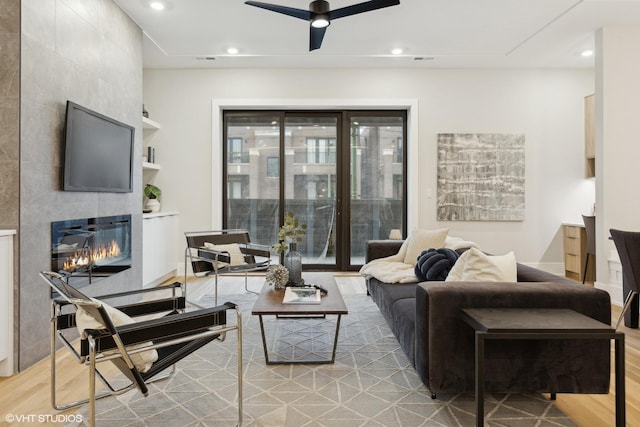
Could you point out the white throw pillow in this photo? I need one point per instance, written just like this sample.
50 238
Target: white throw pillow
84 321
476 266
455 274
235 254
456 243
421 240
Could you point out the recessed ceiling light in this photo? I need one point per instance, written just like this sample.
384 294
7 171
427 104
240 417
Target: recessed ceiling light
232 51
587 53
396 51
156 5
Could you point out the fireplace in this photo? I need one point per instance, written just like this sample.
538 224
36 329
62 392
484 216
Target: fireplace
85 250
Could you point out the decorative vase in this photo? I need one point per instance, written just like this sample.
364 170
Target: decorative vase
153 205
293 262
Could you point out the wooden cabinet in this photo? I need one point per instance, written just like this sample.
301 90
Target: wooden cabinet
575 253
159 247
590 135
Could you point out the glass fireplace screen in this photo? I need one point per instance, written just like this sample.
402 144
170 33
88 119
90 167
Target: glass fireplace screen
84 250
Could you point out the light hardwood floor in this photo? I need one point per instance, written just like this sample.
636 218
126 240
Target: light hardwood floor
599 409
28 393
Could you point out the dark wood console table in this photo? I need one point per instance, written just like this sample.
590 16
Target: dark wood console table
536 324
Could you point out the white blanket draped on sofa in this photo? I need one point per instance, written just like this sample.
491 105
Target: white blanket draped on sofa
393 269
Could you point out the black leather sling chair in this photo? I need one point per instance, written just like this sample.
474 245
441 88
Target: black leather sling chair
141 350
218 252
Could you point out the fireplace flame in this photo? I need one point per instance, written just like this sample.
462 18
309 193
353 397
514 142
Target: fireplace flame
90 256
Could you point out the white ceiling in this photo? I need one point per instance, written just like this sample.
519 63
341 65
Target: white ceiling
446 33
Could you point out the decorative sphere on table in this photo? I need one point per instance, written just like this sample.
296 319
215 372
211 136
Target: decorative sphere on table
277 276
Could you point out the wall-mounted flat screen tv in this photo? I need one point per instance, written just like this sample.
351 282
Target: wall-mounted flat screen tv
98 153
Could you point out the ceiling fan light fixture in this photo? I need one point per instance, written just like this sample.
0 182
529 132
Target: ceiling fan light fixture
320 21
319 10
320 14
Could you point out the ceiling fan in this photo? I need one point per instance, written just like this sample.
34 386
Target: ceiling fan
320 15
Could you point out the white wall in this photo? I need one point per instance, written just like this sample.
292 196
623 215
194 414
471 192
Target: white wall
545 105
617 148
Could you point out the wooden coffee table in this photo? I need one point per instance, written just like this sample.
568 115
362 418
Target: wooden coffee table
269 303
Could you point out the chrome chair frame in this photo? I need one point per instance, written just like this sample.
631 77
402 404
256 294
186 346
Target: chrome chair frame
626 305
61 321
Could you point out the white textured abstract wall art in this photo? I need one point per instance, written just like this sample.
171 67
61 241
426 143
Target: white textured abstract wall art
480 177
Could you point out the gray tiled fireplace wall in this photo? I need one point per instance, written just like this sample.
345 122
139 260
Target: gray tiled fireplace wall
89 52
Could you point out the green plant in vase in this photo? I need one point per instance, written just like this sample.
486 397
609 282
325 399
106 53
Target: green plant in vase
153 193
290 232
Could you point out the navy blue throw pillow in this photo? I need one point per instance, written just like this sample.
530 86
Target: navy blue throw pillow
434 264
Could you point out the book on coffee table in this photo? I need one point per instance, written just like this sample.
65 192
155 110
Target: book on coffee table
296 295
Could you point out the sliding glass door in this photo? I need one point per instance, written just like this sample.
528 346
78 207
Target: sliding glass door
377 197
252 191
341 172
310 182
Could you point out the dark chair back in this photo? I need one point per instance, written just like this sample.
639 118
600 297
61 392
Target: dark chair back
590 228
221 237
628 246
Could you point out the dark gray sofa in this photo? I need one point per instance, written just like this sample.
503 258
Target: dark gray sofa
425 318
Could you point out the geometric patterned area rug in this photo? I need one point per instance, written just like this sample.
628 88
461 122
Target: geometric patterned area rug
370 384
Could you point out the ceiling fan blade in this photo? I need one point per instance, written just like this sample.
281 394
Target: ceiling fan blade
366 6
290 11
315 37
